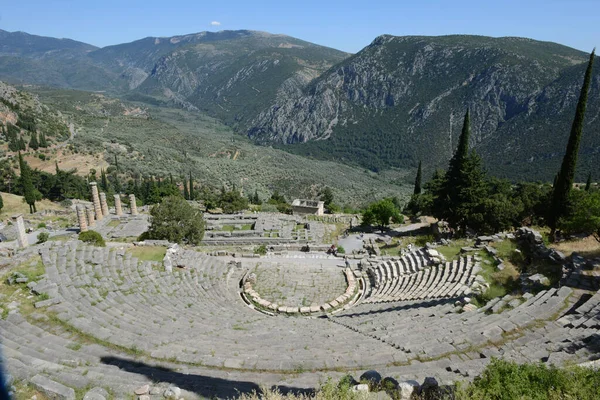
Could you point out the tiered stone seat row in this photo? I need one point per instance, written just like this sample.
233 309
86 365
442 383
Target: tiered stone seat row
347 297
429 329
193 315
441 281
409 264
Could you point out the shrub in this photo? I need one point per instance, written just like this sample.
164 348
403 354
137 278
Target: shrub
41 225
262 250
66 203
508 380
93 238
42 237
267 207
341 250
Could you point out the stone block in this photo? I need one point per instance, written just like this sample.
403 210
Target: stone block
51 389
96 393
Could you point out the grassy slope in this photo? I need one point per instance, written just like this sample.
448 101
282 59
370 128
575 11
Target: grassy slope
14 204
176 141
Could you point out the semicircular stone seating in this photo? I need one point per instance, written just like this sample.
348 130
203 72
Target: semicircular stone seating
415 277
194 320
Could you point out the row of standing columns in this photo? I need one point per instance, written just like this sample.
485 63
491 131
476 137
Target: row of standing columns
88 216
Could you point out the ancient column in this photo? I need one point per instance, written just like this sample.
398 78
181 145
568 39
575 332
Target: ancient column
21 235
81 218
96 200
132 205
90 216
118 209
103 204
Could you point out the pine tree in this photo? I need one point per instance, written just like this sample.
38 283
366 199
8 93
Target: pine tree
191 187
28 189
186 193
33 142
418 180
564 181
588 184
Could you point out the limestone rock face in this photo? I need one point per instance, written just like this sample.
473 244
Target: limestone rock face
415 90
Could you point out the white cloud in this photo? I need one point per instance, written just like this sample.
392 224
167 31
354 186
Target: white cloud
215 23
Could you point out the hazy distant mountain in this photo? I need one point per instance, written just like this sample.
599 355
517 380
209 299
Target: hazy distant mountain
402 99
397 101
233 75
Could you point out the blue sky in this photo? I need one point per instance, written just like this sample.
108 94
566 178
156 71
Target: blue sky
346 25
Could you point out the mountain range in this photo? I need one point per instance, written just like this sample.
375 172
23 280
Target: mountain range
396 102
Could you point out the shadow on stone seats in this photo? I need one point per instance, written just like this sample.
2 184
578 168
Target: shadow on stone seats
204 386
420 304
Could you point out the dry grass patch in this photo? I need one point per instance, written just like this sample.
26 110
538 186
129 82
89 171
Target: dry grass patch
14 204
67 161
587 247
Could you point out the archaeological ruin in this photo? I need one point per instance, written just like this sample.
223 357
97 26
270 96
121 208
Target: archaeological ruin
219 318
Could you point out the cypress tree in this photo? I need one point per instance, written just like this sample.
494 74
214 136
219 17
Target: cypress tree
103 180
22 145
463 190
588 184
1 203
116 163
33 142
171 179
43 141
447 198
191 187
28 189
116 183
564 181
256 199
186 193
418 180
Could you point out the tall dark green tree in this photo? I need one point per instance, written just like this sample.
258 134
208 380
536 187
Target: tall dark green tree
564 181
22 145
256 199
33 142
191 187
29 192
116 163
460 197
103 180
116 182
418 180
327 198
588 183
1 203
186 192
43 141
